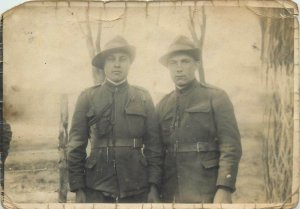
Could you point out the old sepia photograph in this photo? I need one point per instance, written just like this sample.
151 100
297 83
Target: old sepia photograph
176 104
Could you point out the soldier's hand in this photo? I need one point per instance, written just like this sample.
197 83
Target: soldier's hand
80 196
222 196
153 196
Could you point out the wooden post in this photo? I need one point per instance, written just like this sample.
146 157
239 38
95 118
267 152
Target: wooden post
62 149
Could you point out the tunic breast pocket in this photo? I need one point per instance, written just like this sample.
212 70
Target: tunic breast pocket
199 115
99 123
136 116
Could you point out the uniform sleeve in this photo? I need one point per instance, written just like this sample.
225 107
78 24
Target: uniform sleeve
78 143
229 140
153 145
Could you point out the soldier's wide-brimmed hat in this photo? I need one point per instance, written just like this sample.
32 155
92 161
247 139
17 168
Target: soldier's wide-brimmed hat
181 44
117 44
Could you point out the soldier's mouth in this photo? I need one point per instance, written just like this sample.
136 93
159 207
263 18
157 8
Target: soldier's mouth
180 76
117 72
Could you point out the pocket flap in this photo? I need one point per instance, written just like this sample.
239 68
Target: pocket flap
210 163
167 117
166 122
90 163
201 107
90 113
135 109
91 117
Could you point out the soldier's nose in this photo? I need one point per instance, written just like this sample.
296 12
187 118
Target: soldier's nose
117 64
179 69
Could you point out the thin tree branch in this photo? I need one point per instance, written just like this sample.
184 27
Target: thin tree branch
89 37
203 28
98 39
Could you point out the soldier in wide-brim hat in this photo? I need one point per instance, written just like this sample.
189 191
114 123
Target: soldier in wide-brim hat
118 44
199 131
181 45
120 121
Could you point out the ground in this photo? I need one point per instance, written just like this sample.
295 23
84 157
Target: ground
31 170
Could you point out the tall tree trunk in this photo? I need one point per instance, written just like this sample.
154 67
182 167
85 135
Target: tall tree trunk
277 56
197 29
94 47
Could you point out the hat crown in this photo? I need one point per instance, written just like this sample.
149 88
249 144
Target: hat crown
182 43
116 42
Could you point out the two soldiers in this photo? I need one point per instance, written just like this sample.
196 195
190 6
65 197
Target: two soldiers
189 148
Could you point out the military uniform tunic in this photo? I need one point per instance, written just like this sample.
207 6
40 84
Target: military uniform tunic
201 143
126 150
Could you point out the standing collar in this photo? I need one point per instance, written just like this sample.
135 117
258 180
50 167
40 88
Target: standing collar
113 86
116 83
187 88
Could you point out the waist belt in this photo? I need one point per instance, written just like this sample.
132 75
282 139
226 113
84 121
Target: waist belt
119 142
193 147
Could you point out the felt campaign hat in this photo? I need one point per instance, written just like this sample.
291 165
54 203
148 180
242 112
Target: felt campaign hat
117 44
180 45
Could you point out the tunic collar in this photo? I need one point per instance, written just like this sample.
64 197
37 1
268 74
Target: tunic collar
187 88
115 87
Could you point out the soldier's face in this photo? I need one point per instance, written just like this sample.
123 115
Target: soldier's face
182 69
116 66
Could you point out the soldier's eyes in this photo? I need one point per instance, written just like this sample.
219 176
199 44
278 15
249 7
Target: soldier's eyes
113 59
186 61
110 58
123 59
182 63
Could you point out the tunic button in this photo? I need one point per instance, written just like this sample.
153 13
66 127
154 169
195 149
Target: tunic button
228 176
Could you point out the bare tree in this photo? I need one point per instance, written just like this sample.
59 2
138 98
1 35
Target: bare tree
94 46
197 27
277 56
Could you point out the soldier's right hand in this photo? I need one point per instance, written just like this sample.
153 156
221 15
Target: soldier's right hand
80 196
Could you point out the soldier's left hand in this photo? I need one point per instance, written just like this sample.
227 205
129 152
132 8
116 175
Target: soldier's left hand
223 196
153 196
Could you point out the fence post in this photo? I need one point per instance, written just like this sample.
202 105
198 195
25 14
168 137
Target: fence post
62 149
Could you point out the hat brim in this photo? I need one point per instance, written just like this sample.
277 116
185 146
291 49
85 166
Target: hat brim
99 60
194 53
